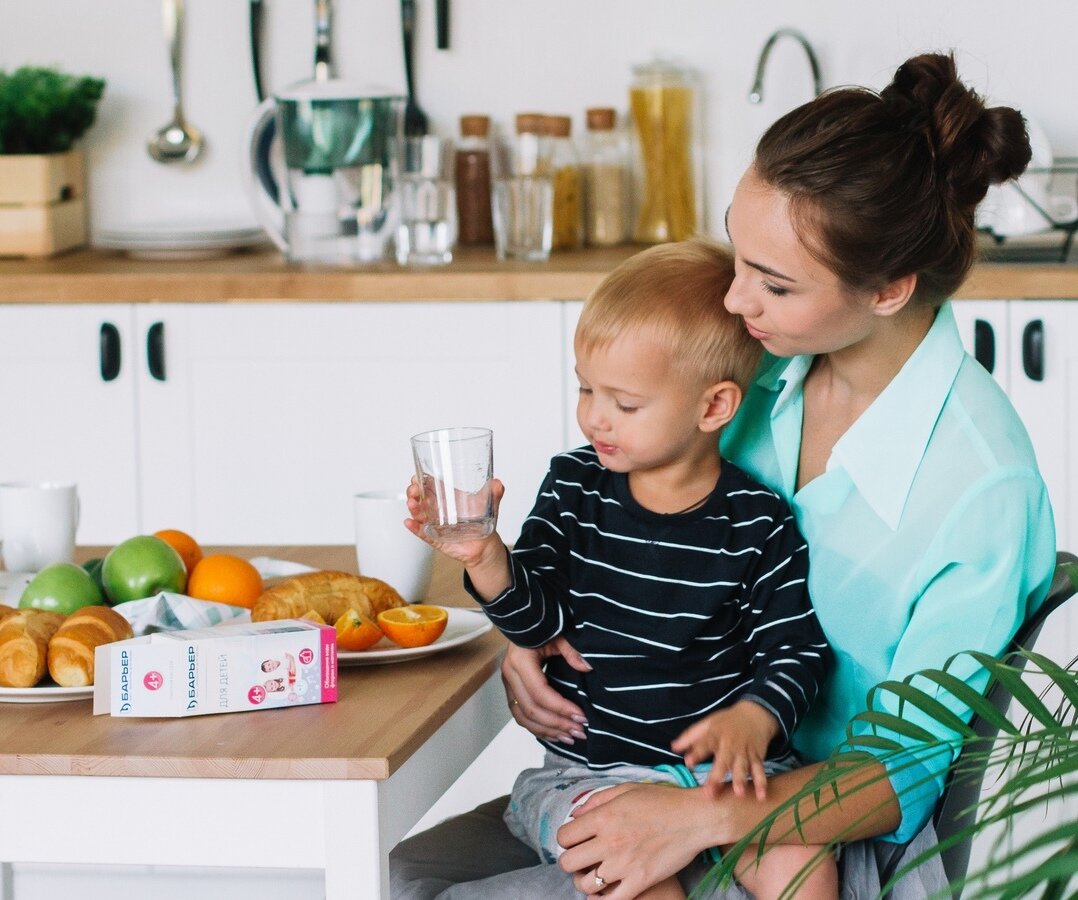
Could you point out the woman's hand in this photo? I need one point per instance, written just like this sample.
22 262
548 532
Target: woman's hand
533 702
635 835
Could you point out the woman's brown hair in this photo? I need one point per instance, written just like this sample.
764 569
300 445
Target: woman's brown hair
884 185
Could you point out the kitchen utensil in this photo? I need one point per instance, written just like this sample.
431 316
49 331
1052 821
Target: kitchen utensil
255 12
172 240
178 141
38 522
323 40
441 13
324 184
428 225
415 120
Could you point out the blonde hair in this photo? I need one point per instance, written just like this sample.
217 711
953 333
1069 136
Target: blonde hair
675 291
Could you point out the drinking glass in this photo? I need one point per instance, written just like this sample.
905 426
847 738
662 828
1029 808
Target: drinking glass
427 231
523 197
454 467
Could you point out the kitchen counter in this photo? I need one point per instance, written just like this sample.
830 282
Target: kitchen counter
90 276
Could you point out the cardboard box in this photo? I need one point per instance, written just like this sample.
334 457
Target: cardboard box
226 668
42 203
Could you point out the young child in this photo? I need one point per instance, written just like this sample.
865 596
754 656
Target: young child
680 580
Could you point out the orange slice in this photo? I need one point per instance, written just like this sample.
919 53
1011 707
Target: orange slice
313 615
355 631
413 626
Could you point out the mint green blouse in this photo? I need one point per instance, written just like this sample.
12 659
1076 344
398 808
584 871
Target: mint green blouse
930 532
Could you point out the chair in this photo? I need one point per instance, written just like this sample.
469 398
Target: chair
956 808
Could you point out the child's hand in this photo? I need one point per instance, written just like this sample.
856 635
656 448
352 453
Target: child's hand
736 739
472 553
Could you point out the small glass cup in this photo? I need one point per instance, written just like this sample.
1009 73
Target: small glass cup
427 232
454 467
523 197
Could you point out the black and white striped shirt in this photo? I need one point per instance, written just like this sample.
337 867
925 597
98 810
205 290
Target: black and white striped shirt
678 615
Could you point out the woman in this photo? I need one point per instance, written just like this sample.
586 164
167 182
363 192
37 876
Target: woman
911 477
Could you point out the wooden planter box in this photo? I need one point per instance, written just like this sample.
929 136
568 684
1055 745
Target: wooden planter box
42 204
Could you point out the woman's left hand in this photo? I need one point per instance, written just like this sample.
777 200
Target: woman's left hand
635 835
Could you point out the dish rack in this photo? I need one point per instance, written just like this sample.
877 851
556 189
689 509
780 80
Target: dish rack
1054 244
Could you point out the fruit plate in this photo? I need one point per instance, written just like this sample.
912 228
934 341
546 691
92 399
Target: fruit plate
464 625
45 694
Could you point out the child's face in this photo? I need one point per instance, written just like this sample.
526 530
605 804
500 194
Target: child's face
634 408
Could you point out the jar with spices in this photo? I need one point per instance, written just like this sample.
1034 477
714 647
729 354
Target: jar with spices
606 180
663 99
472 172
565 172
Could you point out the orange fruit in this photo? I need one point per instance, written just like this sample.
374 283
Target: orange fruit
225 579
356 631
312 615
413 626
180 541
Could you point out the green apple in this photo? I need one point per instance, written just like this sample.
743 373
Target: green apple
141 567
93 568
63 588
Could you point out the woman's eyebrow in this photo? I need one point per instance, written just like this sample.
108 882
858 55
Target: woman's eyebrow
759 267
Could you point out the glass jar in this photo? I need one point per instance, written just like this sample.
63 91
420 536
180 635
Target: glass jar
664 103
472 176
568 230
606 180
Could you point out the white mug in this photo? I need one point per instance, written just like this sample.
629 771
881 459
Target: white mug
385 549
38 521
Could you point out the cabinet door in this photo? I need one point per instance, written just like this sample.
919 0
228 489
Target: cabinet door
574 437
67 389
270 417
983 326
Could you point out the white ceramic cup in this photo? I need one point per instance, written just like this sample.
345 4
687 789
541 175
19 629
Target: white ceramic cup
385 549
38 521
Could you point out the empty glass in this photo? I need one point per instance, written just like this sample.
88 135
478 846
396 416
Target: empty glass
427 231
523 196
454 467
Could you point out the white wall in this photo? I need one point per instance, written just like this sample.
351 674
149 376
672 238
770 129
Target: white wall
507 56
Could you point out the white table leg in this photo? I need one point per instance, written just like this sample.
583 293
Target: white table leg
357 862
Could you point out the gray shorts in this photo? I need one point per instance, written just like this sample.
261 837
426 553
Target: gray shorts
544 798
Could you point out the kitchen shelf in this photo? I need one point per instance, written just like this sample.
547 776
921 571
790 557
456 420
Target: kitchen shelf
91 276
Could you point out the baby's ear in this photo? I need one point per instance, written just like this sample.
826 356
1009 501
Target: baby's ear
720 403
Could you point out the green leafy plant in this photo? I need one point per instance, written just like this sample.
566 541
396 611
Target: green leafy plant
1031 766
45 111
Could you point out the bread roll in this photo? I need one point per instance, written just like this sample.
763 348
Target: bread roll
329 594
6 611
24 646
71 650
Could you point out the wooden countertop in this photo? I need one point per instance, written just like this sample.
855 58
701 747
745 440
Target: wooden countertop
383 714
88 276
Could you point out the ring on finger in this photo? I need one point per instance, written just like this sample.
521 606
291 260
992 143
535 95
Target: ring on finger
599 880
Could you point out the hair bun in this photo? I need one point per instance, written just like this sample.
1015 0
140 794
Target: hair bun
973 146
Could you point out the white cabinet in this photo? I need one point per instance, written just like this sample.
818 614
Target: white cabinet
1036 362
255 423
67 391
270 416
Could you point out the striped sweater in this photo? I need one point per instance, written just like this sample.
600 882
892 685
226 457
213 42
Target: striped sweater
679 615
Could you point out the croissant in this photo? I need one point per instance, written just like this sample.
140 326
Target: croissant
24 646
6 611
328 594
71 650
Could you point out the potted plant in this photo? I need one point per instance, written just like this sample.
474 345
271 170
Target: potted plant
1031 768
43 112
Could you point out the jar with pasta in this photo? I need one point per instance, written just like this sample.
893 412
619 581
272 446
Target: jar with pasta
663 102
568 224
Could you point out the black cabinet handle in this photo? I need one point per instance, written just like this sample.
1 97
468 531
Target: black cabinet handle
109 351
1033 350
984 344
155 350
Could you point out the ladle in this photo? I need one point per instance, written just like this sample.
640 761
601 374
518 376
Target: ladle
178 141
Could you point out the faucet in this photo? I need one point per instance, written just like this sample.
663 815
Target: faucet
756 95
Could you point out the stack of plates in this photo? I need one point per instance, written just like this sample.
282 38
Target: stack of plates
163 240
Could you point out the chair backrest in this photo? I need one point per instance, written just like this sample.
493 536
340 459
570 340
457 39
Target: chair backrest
956 808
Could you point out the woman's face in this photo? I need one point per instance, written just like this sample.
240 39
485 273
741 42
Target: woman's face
789 301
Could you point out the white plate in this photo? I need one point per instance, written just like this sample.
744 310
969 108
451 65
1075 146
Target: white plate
464 625
45 694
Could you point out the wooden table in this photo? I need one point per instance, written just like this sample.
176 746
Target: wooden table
332 786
